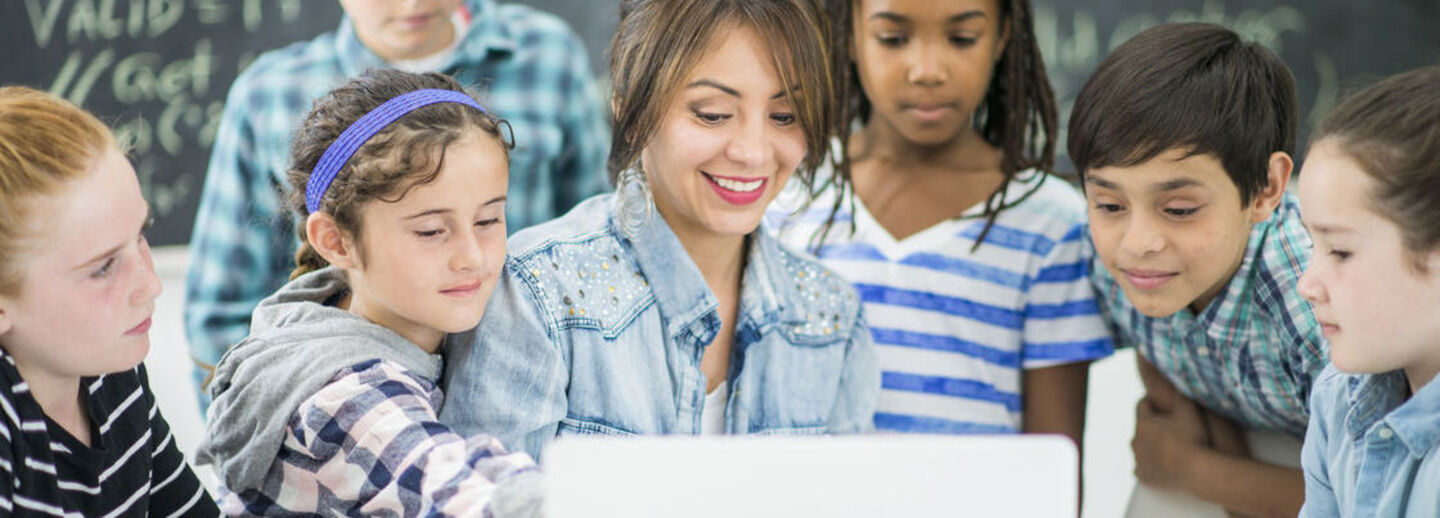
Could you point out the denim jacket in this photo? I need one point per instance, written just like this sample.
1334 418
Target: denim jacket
1370 451
590 332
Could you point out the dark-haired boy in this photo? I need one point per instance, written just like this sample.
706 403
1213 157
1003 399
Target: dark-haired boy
1183 138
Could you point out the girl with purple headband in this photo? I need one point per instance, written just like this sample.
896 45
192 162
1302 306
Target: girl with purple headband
329 406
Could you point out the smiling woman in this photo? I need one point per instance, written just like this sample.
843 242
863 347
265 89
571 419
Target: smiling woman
611 320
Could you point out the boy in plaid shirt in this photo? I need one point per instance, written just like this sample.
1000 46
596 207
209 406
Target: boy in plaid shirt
1183 138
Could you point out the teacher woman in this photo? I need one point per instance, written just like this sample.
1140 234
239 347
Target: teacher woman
663 308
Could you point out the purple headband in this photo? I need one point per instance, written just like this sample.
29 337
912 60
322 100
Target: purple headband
367 126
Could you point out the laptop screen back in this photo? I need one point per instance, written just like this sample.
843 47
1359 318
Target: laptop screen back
875 475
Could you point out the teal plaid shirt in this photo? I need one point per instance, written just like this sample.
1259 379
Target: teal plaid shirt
1255 350
529 67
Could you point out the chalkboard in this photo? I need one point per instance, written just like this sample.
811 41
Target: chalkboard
158 70
155 70
1331 46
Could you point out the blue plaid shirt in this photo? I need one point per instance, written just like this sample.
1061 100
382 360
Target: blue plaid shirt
531 69
1252 354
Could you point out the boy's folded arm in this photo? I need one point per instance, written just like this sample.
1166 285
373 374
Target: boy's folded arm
1178 450
1159 392
1245 486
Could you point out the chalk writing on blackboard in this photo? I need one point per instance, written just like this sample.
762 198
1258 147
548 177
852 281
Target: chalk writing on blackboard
157 71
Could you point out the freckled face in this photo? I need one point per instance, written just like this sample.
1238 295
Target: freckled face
89 286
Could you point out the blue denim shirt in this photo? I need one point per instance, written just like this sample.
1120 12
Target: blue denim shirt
590 332
1369 450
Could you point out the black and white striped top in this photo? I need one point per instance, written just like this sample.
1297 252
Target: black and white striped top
132 468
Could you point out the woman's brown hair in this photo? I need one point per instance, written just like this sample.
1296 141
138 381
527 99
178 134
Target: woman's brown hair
1392 129
658 42
44 142
407 153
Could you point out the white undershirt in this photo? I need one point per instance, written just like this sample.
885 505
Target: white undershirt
433 62
712 417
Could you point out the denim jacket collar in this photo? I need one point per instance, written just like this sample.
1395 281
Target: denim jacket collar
769 284
485 34
685 300
1376 397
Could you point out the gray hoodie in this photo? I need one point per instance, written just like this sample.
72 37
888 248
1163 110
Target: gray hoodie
297 344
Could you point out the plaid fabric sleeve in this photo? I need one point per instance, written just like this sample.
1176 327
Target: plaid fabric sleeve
1286 255
370 443
580 167
242 244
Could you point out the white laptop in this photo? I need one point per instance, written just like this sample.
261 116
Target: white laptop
853 476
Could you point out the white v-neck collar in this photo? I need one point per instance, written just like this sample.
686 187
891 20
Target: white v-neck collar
939 234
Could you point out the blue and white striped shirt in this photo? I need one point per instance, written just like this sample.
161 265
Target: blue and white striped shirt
954 327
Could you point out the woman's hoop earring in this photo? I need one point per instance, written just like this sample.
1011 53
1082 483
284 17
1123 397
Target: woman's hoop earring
633 201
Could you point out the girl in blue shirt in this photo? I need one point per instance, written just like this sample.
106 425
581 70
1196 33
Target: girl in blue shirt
1371 193
661 309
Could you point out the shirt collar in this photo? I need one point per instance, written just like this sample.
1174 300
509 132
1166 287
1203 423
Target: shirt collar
485 35
1371 397
1217 317
685 302
1415 421
768 285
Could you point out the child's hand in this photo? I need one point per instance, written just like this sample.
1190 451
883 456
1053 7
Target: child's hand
1165 442
1225 436
1160 393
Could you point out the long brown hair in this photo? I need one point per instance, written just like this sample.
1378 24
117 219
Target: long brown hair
407 153
1392 129
44 142
658 42
1017 114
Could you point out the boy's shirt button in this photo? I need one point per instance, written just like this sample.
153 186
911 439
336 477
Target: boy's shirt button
1385 433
